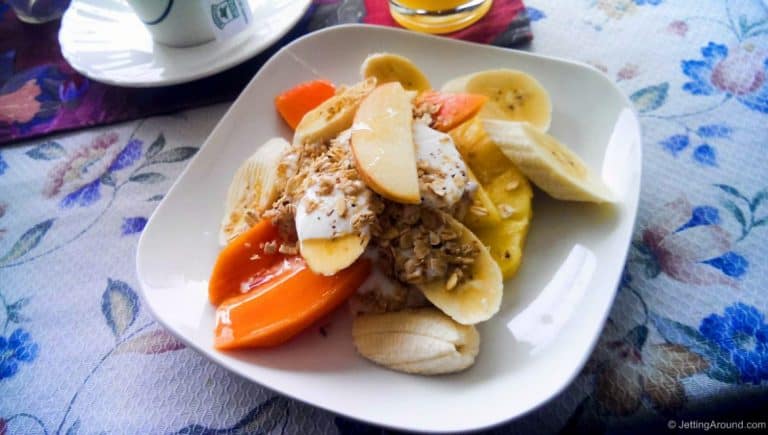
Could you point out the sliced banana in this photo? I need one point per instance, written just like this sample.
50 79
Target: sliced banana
388 67
549 164
479 297
253 189
422 341
328 256
334 115
512 96
457 84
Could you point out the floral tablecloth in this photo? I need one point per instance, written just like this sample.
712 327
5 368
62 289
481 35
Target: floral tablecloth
687 337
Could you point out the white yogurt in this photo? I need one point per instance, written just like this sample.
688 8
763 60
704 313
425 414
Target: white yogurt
323 222
436 150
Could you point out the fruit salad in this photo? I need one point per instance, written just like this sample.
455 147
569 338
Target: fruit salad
407 204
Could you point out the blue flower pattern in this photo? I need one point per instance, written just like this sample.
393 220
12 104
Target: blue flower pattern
90 193
16 349
84 196
133 225
742 332
739 74
702 215
128 156
70 91
729 263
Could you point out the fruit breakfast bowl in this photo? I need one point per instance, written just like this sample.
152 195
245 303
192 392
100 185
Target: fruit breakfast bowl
549 314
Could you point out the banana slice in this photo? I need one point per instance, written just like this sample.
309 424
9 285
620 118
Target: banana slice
549 164
512 96
457 84
328 256
334 115
387 67
422 341
479 297
253 189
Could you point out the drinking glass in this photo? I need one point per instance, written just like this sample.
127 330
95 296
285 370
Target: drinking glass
438 16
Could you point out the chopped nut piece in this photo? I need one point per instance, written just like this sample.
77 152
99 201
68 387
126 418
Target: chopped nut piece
282 215
434 238
469 249
353 187
420 248
465 260
362 220
406 240
459 273
478 210
324 186
288 249
448 234
452 281
311 205
251 218
270 247
512 185
341 206
424 110
436 267
413 272
506 210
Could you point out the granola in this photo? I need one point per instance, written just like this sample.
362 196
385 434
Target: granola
413 243
420 247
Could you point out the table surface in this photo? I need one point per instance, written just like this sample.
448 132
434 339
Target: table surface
687 334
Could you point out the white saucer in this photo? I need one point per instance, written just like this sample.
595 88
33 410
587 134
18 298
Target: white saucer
105 41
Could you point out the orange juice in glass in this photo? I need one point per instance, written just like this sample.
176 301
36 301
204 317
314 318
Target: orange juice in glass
438 16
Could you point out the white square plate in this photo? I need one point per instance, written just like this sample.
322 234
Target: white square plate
553 310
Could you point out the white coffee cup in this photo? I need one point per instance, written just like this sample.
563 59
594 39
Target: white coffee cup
183 23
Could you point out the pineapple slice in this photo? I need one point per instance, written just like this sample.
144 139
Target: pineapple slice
506 187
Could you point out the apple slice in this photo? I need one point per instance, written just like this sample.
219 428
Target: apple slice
382 144
328 256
